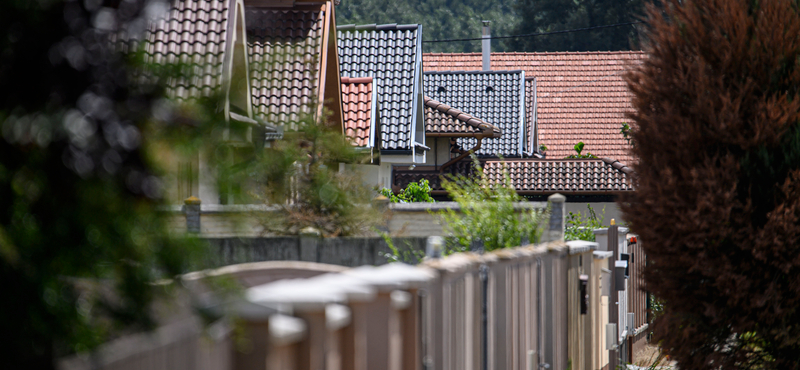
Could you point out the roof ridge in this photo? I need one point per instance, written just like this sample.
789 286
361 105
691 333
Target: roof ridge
619 166
356 80
546 53
472 72
377 27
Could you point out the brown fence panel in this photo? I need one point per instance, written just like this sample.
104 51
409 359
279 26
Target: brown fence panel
637 295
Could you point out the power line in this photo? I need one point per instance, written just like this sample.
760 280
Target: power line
540 33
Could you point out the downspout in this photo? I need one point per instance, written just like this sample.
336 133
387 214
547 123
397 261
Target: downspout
460 157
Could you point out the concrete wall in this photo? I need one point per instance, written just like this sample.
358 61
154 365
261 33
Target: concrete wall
611 211
404 220
335 251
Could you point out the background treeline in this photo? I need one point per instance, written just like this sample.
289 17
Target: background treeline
451 19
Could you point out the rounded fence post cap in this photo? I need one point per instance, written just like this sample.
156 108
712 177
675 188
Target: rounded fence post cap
192 200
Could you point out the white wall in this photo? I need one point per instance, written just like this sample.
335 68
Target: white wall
440 151
373 175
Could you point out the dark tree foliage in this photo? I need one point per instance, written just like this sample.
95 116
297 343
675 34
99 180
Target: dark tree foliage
77 190
557 15
440 19
717 136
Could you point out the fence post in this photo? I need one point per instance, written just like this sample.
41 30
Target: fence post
191 209
309 244
557 218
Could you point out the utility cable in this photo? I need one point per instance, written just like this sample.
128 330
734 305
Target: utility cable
539 33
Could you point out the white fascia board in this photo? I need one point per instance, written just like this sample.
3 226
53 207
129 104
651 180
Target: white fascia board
409 159
522 138
417 96
374 114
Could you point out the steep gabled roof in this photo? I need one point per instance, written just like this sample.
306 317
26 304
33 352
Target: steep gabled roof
360 113
495 96
291 60
203 36
391 55
192 33
443 120
580 96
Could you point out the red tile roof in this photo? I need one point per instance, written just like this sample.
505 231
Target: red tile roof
444 120
357 103
580 96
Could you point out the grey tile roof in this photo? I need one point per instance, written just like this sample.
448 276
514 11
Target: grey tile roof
444 120
391 55
536 176
284 48
494 96
193 33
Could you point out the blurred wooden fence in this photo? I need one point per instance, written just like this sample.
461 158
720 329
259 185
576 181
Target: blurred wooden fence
543 306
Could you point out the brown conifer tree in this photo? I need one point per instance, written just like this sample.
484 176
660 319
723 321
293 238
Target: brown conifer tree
716 112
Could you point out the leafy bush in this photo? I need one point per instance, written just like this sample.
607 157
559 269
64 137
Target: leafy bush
300 174
414 192
581 226
487 214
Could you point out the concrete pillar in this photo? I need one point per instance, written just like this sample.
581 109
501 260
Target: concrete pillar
555 230
191 209
309 244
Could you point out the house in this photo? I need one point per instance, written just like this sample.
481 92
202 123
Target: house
391 55
571 96
498 97
566 98
273 62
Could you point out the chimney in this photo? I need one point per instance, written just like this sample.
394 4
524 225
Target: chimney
486 46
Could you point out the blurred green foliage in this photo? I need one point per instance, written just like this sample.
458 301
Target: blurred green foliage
558 15
440 19
81 241
414 192
487 214
581 226
301 175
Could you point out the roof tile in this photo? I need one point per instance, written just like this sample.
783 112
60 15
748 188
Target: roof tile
389 54
579 94
284 48
193 36
538 176
442 119
357 108
494 96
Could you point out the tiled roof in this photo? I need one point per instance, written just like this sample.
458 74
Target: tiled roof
444 120
538 176
561 175
192 33
357 105
581 96
390 54
284 47
496 97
